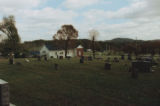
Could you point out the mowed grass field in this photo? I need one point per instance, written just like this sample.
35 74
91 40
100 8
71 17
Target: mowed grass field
38 84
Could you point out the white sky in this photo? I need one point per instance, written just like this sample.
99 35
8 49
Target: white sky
40 19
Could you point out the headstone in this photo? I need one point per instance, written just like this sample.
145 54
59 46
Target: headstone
130 69
45 58
12 105
151 60
134 73
139 59
142 66
122 57
4 93
89 58
82 59
154 63
60 57
129 57
56 66
68 57
116 60
107 66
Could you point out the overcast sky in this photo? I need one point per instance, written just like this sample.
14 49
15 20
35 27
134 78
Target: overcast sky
40 19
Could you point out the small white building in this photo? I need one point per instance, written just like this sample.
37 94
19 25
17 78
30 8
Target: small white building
55 52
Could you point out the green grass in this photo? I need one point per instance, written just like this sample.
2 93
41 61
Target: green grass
74 84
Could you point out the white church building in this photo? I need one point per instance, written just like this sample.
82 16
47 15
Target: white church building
55 52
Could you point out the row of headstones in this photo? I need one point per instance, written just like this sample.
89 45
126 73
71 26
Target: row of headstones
130 58
56 66
82 59
46 59
137 66
115 59
40 58
142 66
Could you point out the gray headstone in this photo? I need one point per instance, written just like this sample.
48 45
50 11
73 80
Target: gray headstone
12 105
4 93
107 66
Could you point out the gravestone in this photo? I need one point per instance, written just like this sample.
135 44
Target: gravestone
68 57
139 59
107 66
82 59
45 58
56 66
122 57
151 60
134 73
60 57
89 58
129 57
142 66
116 60
4 93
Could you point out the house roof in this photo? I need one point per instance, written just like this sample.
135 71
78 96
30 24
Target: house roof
80 46
56 47
53 47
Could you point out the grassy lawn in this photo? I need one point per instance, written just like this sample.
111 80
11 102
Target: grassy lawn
74 84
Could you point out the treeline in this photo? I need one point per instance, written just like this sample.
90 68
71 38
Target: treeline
118 45
34 45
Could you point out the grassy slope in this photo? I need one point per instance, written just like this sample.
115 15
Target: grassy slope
38 84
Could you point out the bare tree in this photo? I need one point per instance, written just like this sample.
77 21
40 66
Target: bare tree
66 33
93 35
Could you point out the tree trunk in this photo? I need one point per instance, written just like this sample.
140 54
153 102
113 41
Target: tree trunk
66 47
93 49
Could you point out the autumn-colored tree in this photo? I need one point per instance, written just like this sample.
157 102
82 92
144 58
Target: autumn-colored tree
12 41
93 35
66 33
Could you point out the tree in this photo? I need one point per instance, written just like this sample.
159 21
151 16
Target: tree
93 35
66 33
8 28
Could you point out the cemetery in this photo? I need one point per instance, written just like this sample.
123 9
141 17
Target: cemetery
70 69
79 81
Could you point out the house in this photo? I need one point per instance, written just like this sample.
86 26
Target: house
52 51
